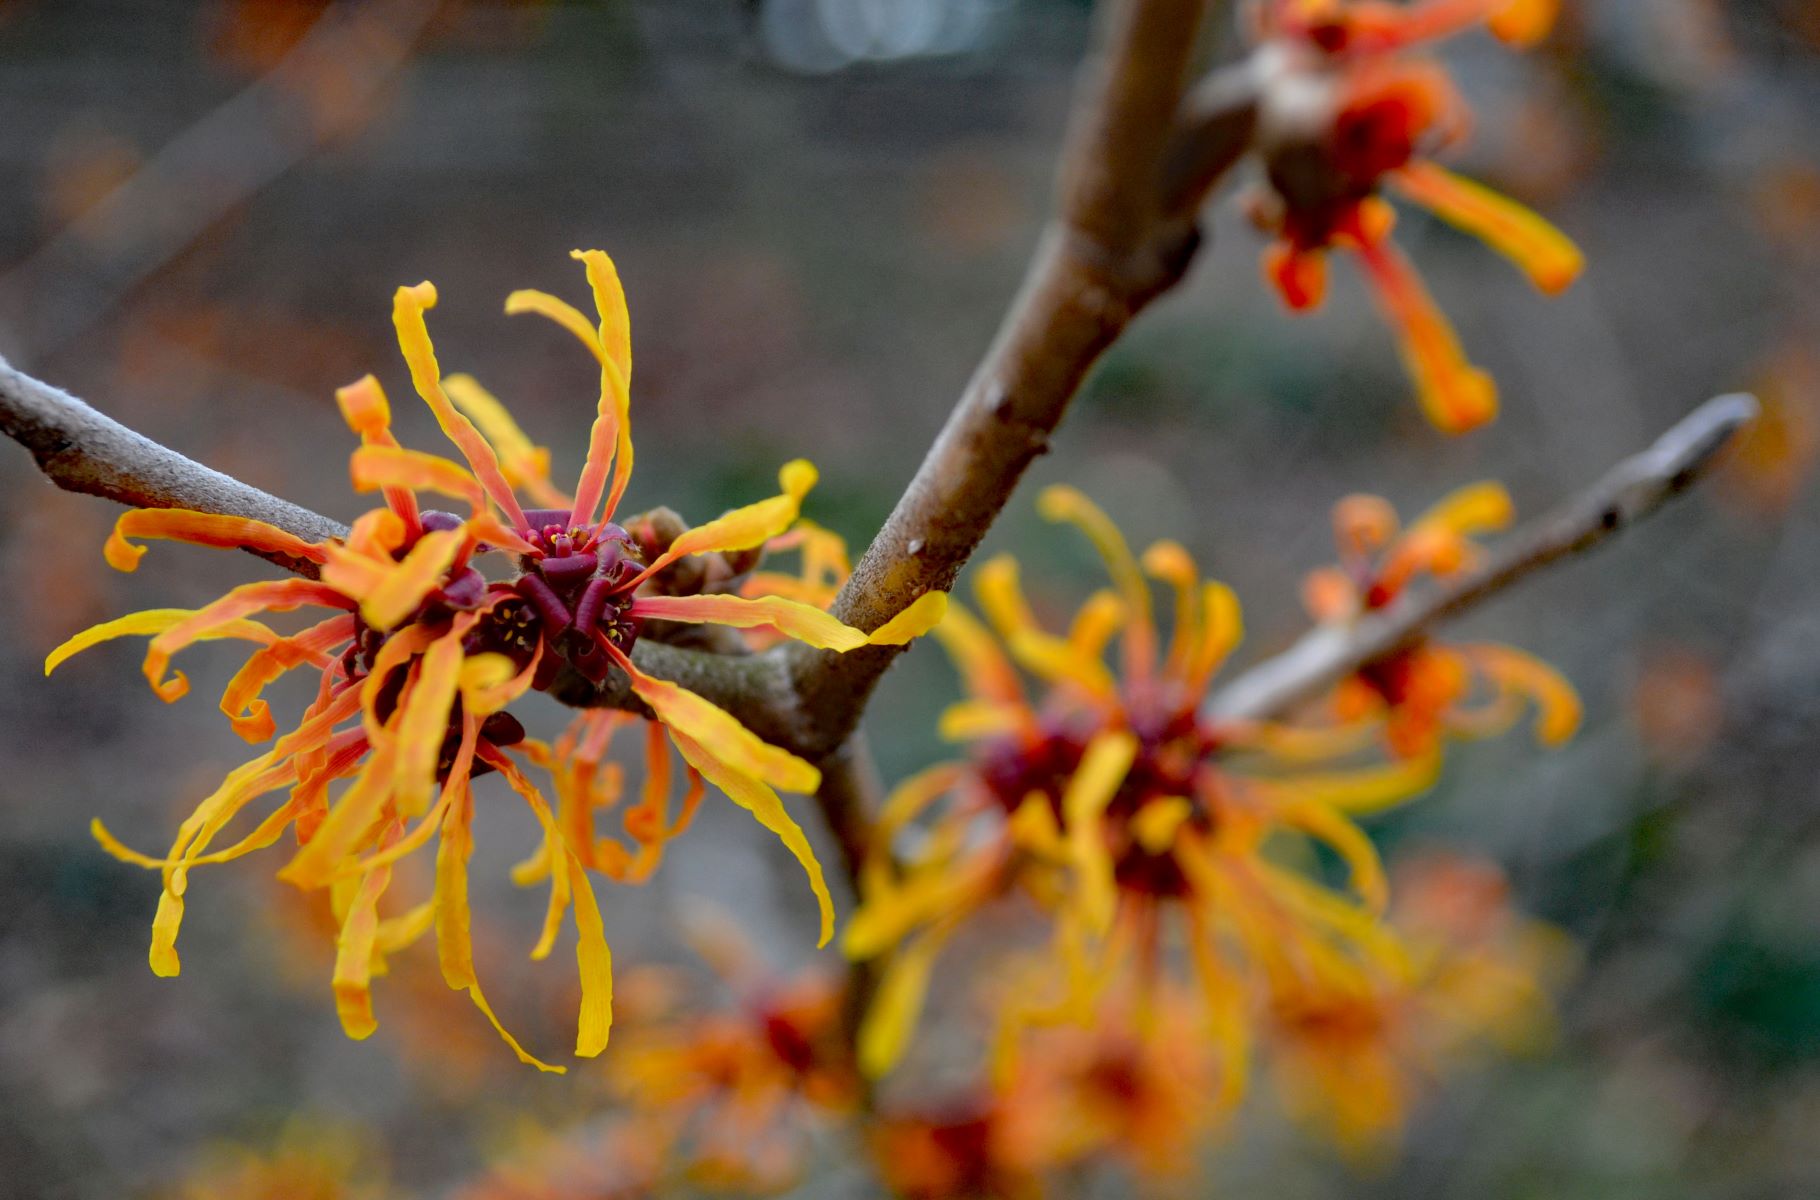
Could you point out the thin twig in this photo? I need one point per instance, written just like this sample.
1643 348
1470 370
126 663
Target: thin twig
82 450
1625 495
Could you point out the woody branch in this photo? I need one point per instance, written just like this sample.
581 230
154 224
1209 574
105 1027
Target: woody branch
1627 493
1143 153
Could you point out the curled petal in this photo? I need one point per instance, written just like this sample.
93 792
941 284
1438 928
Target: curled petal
392 467
415 576
985 671
593 958
250 716
454 945
354 949
743 528
1221 632
276 595
320 859
368 413
1541 251
612 432
153 621
805 624
1089 791
408 306
530 300
1349 842
525 464
1059 502
747 791
201 529
1000 594
889 1021
735 746
610 304
1362 791
1456 395
1557 704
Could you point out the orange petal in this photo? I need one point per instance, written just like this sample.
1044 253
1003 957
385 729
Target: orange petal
250 716
152 621
354 950
1299 276
368 413
752 795
593 958
525 464
1456 395
201 529
391 467
319 860
276 595
418 574
1523 23
408 306
611 436
1541 251
1557 704
423 722
743 528
799 621
732 743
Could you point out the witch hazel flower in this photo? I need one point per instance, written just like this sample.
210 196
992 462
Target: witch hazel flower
1107 796
422 651
1348 113
1428 690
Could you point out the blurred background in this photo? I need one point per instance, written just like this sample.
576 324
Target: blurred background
820 209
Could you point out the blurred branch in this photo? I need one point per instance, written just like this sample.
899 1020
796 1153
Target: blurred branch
1625 495
324 87
1141 155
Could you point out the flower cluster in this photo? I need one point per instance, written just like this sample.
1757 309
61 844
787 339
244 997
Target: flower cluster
1150 833
1347 112
422 652
1107 800
1430 689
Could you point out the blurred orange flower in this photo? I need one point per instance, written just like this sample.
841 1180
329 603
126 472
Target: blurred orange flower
1427 690
1107 801
1351 1050
311 1161
1346 112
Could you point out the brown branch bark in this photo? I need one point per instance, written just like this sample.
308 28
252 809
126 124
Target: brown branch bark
82 450
1626 494
1139 160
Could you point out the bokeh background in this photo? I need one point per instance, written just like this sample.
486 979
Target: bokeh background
820 208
